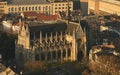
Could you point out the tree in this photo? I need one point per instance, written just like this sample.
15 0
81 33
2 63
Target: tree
35 67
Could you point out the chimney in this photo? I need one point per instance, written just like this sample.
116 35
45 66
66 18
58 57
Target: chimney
96 11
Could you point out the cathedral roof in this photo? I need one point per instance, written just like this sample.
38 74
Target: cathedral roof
35 28
26 2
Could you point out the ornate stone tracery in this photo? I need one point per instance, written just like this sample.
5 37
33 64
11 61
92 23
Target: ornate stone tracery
53 47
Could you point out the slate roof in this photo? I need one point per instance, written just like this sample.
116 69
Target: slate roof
59 26
35 28
47 18
113 24
25 2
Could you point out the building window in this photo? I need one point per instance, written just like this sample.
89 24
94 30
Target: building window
9 9
69 53
4 3
42 57
26 8
63 4
64 53
62 7
12 9
48 56
59 4
1 11
29 8
32 8
54 55
15 9
55 7
46 7
37 57
55 4
59 7
49 8
43 9
39 8
59 54
19 9
22 8
36 8
1 6
55 11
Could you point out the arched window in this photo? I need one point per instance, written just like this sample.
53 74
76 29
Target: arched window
29 8
42 57
32 8
36 8
64 53
12 9
22 8
48 56
15 9
39 8
19 9
46 7
26 8
54 54
9 9
36 57
59 54
69 52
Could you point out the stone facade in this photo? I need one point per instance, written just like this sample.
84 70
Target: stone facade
105 6
49 8
51 46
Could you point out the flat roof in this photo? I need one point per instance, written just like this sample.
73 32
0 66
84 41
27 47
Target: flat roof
25 2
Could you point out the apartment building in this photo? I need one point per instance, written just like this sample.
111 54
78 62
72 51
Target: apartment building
41 6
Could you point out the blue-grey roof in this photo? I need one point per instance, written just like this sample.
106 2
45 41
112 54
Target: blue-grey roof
26 2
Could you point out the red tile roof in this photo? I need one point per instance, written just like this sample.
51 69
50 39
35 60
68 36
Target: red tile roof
41 16
47 18
32 13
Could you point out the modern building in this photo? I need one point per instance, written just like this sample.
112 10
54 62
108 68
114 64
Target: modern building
42 6
55 42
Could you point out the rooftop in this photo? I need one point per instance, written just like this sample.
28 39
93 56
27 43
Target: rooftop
59 26
25 2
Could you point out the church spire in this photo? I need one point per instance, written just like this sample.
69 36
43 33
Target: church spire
61 36
51 37
73 33
46 37
56 36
